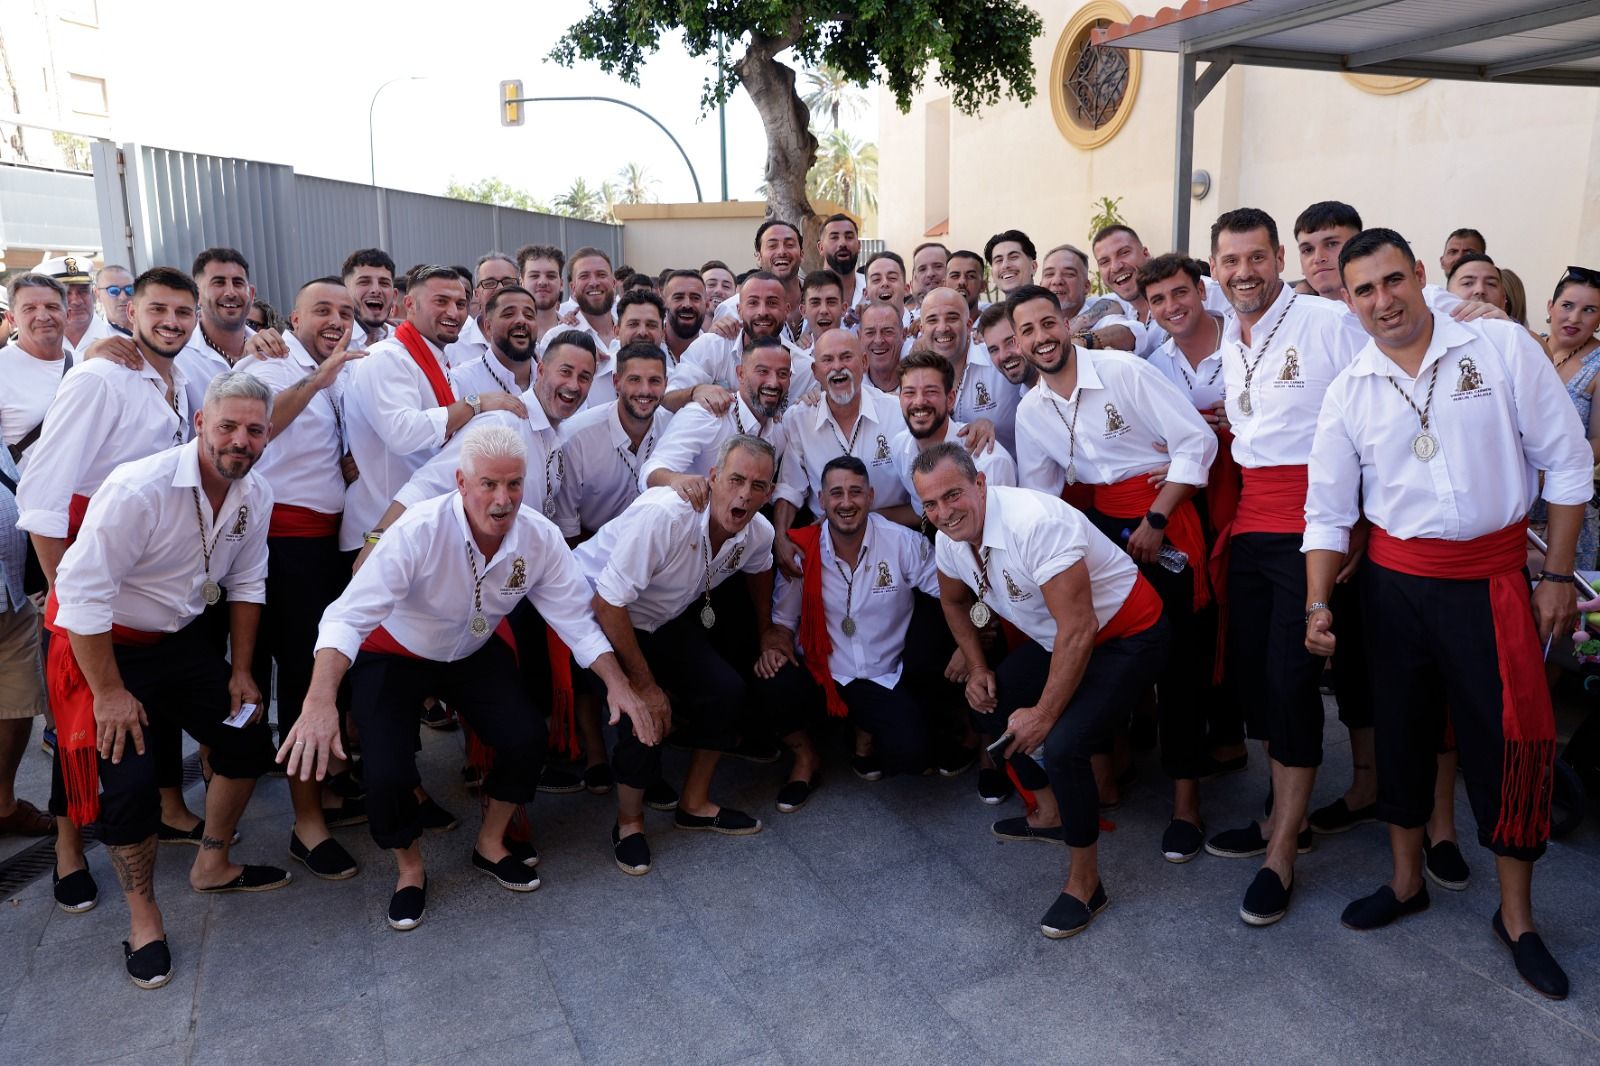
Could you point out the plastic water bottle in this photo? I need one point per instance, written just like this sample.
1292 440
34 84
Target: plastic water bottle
1169 558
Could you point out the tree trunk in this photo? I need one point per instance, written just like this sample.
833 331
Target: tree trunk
791 148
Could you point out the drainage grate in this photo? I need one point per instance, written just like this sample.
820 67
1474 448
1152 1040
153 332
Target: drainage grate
39 858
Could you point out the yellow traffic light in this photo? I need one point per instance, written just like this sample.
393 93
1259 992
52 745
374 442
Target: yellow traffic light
511 103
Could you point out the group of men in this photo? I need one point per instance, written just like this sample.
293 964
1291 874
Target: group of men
976 532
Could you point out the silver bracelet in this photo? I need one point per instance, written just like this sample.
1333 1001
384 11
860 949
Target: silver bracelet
1315 607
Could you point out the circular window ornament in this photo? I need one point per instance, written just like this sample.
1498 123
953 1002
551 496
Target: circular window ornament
1092 87
1383 84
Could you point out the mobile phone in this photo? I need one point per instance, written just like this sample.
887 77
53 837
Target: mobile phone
997 749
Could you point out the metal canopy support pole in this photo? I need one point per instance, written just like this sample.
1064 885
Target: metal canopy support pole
1183 161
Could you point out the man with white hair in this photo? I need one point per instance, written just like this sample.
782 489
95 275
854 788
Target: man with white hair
425 614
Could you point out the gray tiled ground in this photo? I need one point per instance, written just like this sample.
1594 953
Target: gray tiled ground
881 924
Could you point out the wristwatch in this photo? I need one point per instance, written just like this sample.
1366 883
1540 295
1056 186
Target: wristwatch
475 403
1087 340
1315 607
1157 520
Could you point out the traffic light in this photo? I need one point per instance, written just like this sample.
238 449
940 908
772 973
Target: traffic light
511 103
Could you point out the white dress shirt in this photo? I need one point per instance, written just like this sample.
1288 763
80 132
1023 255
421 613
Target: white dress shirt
690 443
485 373
393 424
200 363
1202 384
103 415
602 468
603 389
983 392
470 344
1031 538
30 385
813 436
651 558
302 462
1120 410
713 360
996 464
894 561
1149 335
418 585
1285 394
99 329
546 466
1500 414
139 560
358 336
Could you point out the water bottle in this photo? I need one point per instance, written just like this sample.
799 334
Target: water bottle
1168 558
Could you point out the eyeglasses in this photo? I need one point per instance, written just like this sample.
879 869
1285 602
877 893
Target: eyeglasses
491 284
1583 276
117 291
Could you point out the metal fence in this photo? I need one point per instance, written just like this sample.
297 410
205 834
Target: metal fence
159 206
46 210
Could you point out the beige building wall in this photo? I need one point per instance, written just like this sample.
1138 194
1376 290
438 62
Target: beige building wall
656 236
1520 163
57 66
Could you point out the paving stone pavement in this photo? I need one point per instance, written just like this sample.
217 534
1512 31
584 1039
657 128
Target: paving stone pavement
881 924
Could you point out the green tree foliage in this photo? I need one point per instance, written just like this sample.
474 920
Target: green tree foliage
495 191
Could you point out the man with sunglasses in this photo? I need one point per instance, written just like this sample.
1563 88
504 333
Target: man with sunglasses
113 286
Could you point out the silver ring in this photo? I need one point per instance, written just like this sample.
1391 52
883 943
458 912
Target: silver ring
299 743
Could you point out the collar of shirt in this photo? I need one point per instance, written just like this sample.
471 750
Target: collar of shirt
1447 334
745 418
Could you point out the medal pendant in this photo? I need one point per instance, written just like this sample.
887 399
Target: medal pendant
708 617
1244 404
1072 473
849 626
981 614
478 626
211 592
1424 446
549 508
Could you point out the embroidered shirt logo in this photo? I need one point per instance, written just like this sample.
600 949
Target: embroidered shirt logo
1115 423
733 561
884 579
1012 589
1291 365
519 574
240 523
984 399
882 454
1470 380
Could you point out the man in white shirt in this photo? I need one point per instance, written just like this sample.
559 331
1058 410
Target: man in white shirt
653 569
494 271
982 392
1012 259
839 247
218 341
1282 350
423 616
1104 322
1110 421
886 280
1459 243
994 331
606 446
1095 638
706 373
965 273
926 393
850 616
304 465
511 314
1450 621
594 290
684 293
400 407
161 539
540 267
777 247
823 304
113 286
72 273
883 340
930 262
34 365
369 275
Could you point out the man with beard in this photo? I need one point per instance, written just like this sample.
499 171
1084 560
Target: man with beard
777 253
104 415
1095 638
131 657
113 286
720 285
840 249
1102 322
1012 260
72 273
400 407
999 339
422 616
706 373
507 365
685 296
368 274
687 451
494 271
927 394
540 266
594 290
848 421
304 466
982 392
823 304
883 341
965 274
1111 421
1289 348
653 569
930 264
218 341
641 319
34 365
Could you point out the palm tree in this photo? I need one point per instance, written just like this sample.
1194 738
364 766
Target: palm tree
846 172
637 185
610 197
830 93
580 201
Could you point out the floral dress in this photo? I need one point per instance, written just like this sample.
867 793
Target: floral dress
1583 400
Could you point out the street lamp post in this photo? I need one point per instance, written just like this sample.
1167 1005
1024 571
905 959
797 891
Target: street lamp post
372 158
622 103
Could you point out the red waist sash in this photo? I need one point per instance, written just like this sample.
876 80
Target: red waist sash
1272 500
815 643
73 703
290 520
77 507
1526 717
1132 498
1140 611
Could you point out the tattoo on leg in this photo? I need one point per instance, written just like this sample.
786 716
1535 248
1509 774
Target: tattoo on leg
208 843
135 865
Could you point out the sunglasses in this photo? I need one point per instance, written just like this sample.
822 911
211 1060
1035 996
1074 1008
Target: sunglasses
117 291
1582 275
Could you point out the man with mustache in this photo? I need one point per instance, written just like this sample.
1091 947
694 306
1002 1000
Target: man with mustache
161 538
423 616
1281 352
927 393
884 342
685 295
369 275
540 266
1095 637
1107 419
706 372
400 407
982 392
507 364
218 341
653 569
305 467
839 247
104 415
494 271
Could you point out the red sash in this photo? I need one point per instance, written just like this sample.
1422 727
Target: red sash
1131 499
1140 611
289 520
1222 506
1526 717
1272 500
426 362
77 507
73 703
815 644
